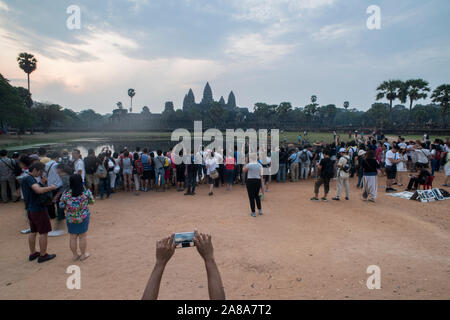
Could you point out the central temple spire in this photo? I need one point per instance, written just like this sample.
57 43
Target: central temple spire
207 95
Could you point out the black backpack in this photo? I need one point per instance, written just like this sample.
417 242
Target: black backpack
304 156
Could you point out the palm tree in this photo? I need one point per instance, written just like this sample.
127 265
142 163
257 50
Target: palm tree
346 105
28 63
391 90
440 95
131 94
414 89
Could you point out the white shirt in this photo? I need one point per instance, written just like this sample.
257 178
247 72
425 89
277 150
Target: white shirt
79 165
211 165
422 155
52 174
391 155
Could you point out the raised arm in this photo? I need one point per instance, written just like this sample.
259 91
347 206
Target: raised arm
206 251
164 251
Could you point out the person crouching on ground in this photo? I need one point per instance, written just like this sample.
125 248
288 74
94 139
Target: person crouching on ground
326 172
419 178
76 202
37 212
343 174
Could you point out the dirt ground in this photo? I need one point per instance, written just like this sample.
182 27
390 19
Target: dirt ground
297 250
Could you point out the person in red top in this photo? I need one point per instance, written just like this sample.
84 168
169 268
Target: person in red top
230 162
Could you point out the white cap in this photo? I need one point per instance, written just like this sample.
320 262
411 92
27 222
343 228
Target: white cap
342 150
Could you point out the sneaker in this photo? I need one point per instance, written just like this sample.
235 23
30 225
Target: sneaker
192 193
34 256
324 199
210 193
314 199
253 214
25 231
336 199
187 194
372 200
47 257
260 212
346 198
56 233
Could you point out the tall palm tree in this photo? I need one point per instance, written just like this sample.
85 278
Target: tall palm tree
440 95
131 94
346 105
28 63
391 91
414 89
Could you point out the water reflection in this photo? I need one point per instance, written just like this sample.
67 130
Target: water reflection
98 146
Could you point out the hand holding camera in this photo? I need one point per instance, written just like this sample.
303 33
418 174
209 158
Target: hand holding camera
165 249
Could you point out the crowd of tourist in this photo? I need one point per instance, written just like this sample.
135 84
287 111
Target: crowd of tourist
61 186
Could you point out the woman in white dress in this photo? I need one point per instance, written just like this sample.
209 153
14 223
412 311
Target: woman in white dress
402 166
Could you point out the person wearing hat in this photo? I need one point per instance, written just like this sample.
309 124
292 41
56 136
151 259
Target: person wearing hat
343 174
360 158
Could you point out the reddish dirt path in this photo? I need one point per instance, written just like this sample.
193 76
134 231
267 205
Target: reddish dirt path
297 250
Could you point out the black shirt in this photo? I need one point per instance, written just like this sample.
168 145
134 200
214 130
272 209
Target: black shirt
327 170
370 166
90 164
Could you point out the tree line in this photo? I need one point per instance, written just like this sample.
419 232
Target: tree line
17 110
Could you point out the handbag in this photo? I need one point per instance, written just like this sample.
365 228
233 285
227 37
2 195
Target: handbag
214 174
101 172
45 199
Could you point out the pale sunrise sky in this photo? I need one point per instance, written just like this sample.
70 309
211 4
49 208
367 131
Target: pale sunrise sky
264 50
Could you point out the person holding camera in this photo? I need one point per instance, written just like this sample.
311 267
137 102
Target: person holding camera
36 198
343 174
165 249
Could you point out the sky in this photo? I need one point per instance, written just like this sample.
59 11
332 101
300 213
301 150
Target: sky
264 50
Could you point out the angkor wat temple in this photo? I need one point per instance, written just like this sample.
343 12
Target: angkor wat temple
208 99
122 119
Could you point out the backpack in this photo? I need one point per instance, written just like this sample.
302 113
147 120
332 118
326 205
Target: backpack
304 156
101 171
166 162
139 167
347 166
66 160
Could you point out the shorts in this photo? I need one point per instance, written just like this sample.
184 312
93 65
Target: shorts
126 171
147 175
211 180
39 221
166 174
92 179
391 172
180 174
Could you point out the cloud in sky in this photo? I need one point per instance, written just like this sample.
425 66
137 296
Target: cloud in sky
263 50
